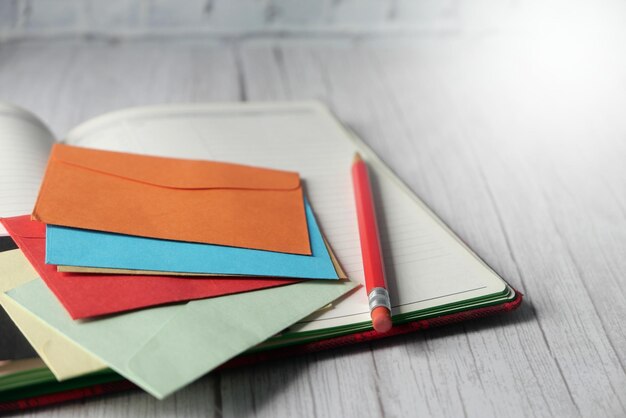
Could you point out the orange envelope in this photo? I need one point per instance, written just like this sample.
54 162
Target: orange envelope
184 200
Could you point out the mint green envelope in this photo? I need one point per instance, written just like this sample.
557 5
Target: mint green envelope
165 348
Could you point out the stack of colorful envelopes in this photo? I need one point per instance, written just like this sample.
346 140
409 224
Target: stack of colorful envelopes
119 241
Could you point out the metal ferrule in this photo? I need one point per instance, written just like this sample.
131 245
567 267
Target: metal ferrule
379 297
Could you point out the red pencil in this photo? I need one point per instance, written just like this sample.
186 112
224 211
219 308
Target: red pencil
380 306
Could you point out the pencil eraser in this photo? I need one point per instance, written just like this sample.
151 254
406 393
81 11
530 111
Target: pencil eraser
381 319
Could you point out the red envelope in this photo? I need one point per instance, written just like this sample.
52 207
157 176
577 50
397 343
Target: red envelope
89 295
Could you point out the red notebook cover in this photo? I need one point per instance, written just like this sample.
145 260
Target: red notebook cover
244 360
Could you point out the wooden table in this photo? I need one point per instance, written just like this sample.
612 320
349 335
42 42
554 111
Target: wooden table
517 140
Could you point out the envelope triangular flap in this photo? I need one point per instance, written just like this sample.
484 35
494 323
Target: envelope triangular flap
175 173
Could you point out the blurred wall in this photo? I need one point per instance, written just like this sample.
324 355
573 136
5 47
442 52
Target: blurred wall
43 18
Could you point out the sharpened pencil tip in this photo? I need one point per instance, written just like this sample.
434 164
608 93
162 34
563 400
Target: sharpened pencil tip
357 158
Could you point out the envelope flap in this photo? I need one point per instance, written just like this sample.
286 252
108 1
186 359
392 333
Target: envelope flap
175 173
23 227
205 334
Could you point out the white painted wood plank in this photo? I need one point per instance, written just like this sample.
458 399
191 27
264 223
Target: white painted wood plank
196 401
576 335
535 186
584 352
315 385
66 83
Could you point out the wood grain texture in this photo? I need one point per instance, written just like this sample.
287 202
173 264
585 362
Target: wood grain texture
513 138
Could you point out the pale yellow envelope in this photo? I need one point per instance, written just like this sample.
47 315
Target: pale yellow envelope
64 357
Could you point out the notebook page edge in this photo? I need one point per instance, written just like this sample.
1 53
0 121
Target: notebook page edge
76 134
24 149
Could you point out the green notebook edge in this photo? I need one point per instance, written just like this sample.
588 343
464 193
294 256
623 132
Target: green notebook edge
41 381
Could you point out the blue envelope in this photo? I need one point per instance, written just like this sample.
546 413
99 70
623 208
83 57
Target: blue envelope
86 248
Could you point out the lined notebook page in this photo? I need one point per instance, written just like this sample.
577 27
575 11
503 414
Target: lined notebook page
426 265
25 143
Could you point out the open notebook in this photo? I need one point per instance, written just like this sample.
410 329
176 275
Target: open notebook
430 271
